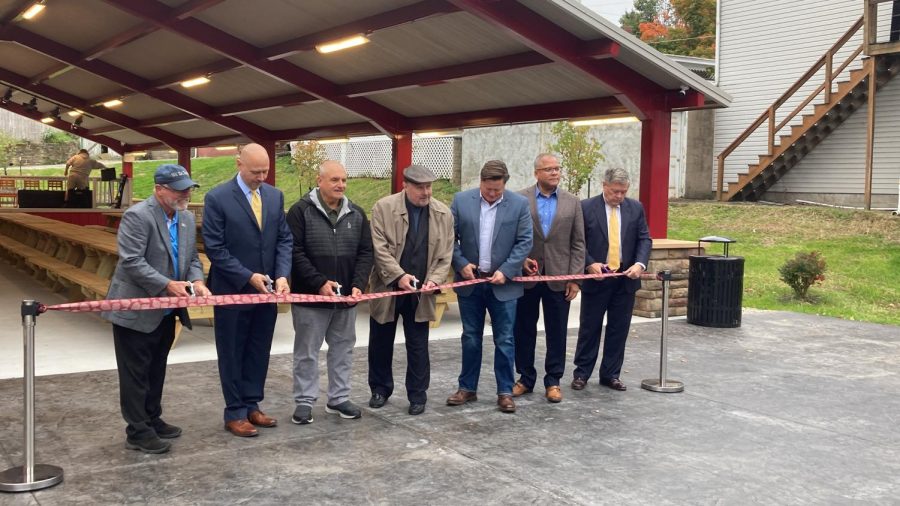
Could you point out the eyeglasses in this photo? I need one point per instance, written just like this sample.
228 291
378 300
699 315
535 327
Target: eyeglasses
551 170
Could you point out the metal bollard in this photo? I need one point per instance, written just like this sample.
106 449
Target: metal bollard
662 384
29 476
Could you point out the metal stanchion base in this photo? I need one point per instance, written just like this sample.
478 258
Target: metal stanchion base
13 479
670 386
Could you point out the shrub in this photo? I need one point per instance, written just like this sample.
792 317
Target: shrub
54 136
803 271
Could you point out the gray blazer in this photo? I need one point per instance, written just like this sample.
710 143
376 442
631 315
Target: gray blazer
509 247
562 251
145 263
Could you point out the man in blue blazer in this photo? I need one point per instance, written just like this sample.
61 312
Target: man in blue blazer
617 240
249 247
493 236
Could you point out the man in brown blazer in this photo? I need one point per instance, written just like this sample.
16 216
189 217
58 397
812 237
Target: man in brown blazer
558 250
412 235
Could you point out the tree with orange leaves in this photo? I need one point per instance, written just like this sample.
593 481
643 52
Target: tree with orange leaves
686 27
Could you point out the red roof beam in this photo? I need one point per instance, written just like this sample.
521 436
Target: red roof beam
367 25
592 107
232 47
541 35
73 102
63 125
443 74
110 72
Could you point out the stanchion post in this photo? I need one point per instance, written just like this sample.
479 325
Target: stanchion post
29 476
662 384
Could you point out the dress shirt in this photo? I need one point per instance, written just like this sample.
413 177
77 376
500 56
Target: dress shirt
486 233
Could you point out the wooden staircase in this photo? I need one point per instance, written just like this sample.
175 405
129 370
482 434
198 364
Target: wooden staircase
832 109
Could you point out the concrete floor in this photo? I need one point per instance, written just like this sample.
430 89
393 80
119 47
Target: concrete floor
787 409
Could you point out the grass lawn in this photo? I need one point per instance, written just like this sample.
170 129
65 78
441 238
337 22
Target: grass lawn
862 249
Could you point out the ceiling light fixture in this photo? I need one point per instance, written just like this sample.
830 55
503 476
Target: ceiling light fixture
603 121
75 113
225 148
112 103
46 119
34 10
340 44
332 141
197 81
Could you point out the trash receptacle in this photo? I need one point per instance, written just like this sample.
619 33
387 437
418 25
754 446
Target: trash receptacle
716 288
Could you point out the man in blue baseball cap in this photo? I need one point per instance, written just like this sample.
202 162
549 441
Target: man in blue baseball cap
157 257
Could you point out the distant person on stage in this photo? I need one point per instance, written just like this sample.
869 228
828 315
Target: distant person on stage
493 237
332 256
618 240
413 241
157 258
249 248
558 250
78 169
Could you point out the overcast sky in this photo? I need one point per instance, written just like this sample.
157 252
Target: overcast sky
610 9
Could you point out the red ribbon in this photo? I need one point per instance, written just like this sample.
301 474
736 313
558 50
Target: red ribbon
145 303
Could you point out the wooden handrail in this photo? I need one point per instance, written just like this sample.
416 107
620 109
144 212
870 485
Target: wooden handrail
827 61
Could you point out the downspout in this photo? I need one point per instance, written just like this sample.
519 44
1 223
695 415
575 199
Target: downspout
719 34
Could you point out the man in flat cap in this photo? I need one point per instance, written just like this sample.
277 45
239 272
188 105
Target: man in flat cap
412 235
157 258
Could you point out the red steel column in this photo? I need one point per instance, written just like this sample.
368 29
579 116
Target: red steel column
127 168
270 149
656 136
184 158
401 158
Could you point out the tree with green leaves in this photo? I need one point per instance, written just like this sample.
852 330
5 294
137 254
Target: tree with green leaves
6 146
307 157
579 152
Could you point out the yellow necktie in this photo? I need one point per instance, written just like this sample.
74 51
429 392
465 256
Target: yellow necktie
256 205
612 257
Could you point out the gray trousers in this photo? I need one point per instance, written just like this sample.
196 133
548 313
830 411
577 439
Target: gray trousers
312 326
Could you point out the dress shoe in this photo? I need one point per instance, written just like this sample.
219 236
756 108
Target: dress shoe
150 445
506 404
461 397
578 383
519 388
166 430
260 419
554 394
416 409
241 428
614 383
377 400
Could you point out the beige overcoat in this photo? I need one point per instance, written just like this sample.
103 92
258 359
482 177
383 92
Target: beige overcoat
390 223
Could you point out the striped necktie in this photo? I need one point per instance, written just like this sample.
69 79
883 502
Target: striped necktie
256 205
612 257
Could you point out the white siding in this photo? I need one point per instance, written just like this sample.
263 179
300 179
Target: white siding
765 46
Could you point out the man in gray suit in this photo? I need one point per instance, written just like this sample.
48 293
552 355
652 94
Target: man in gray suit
157 257
493 237
558 250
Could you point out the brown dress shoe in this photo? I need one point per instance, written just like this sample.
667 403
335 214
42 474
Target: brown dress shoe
519 389
614 383
461 397
506 404
554 394
261 419
241 428
578 383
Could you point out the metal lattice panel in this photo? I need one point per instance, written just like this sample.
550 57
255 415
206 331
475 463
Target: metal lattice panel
372 157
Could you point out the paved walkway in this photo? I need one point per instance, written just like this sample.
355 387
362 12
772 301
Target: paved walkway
787 409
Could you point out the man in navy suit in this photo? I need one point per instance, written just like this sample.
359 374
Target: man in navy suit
493 237
617 240
249 247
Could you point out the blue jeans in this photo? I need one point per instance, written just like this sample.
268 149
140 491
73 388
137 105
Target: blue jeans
503 314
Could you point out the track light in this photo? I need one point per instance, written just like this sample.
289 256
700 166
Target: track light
7 96
55 113
77 123
31 106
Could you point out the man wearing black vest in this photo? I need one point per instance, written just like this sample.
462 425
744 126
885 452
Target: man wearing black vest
412 236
